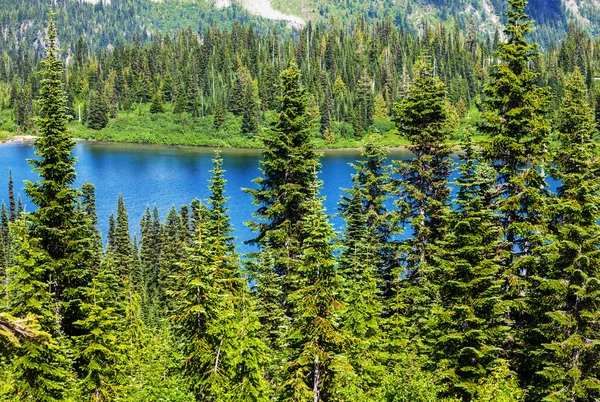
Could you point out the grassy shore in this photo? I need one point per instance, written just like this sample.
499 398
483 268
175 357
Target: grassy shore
140 126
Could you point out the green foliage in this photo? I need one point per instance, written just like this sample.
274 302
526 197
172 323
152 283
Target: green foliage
467 326
408 381
98 115
422 193
39 364
315 336
289 169
215 319
568 292
157 103
516 122
101 351
493 297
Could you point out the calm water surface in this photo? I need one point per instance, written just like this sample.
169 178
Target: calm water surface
171 175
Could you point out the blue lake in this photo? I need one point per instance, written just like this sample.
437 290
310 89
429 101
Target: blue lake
171 175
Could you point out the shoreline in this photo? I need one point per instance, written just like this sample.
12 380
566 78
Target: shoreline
23 139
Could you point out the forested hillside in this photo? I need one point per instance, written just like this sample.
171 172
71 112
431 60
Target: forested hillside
492 294
216 87
106 23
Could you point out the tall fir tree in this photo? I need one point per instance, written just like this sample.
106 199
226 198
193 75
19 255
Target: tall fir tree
150 266
41 368
316 366
359 261
215 317
98 116
568 293
57 223
288 169
422 188
515 120
365 104
250 109
157 103
100 347
122 241
12 206
172 250
467 326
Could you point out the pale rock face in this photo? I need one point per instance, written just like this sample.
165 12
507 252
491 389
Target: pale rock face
95 1
264 9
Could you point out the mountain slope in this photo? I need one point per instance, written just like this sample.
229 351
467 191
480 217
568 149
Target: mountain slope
105 23
486 14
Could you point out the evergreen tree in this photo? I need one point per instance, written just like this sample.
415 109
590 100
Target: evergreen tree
467 327
157 103
101 348
12 207
289 167
111 233
518 129
88 201
219 117
316 340
326 112
40 367
219 227
20 207
372 185
167 87
422 189
192 95
149 261
568 292
98 115
364 103
122 240
215 318
250 108
359 260
365 262
58 225
179 104
171 253
239 93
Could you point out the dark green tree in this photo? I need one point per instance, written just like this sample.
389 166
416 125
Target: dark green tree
98 115
179 104
250 109
172 248
516 123
568 292
57 223
315 367
422 188
467 326
122 241
288 169
100 347
12 206
358 265
40 367
215 315
219 117
157 103
365 103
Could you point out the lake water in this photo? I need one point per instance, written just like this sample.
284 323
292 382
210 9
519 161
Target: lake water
171 175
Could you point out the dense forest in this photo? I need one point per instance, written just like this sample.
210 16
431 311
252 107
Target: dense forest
493 294
216 87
